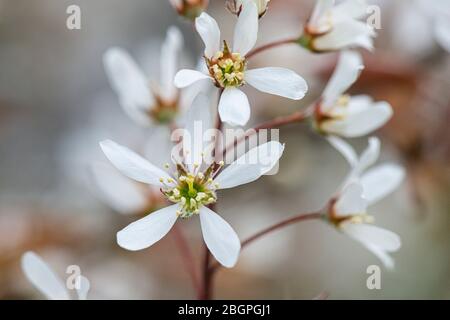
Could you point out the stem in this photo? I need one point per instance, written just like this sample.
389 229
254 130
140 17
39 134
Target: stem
270 46
207 286
298 116
279 225
206 292
186 255
275 227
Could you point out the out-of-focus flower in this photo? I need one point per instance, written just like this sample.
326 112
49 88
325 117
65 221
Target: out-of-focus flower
430 21
144 102
439 13
127 196
192 187
47 282
348 211
343 115
228 68
189 9
235 6
334 27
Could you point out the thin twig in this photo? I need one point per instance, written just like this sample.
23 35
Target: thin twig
275 227
206 292
186 255
270 46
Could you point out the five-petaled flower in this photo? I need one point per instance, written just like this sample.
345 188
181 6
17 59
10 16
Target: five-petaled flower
334 27
343 115
47 282
227 67
348 210
145 102
191 186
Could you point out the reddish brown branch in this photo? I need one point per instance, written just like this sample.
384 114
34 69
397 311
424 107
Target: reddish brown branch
270 45
275 227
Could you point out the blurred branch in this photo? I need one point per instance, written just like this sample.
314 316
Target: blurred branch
186 255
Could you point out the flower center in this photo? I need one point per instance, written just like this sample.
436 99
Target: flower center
164 111
227 68
356 218
192 190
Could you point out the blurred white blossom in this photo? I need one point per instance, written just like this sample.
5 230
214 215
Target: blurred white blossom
47 282
334 27
145 102
341 114
362 188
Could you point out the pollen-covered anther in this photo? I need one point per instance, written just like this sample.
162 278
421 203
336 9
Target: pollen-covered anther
227 68
192 190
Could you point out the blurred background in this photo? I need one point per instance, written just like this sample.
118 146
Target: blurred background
56 105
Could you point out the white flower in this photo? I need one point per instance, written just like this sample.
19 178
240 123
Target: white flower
191 187
347 116
235 6
334 27
361 189
47 282
227 68
145 103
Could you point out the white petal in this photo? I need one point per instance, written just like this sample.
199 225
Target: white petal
378 240
320 10
131 164
169 62
370 155
347 71
234 107
359 103
198 121
381 181
118 191
355 9
184 78
250 166
220 238
279 81
209 32
361 123
351 201
43 278
442 31
145 232
345 149
83 290
381 254
130 84
372 235
345 34
246 29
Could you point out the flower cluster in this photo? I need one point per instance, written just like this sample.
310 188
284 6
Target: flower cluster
189 184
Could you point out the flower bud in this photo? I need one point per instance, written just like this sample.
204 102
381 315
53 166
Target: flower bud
235 6
189 9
